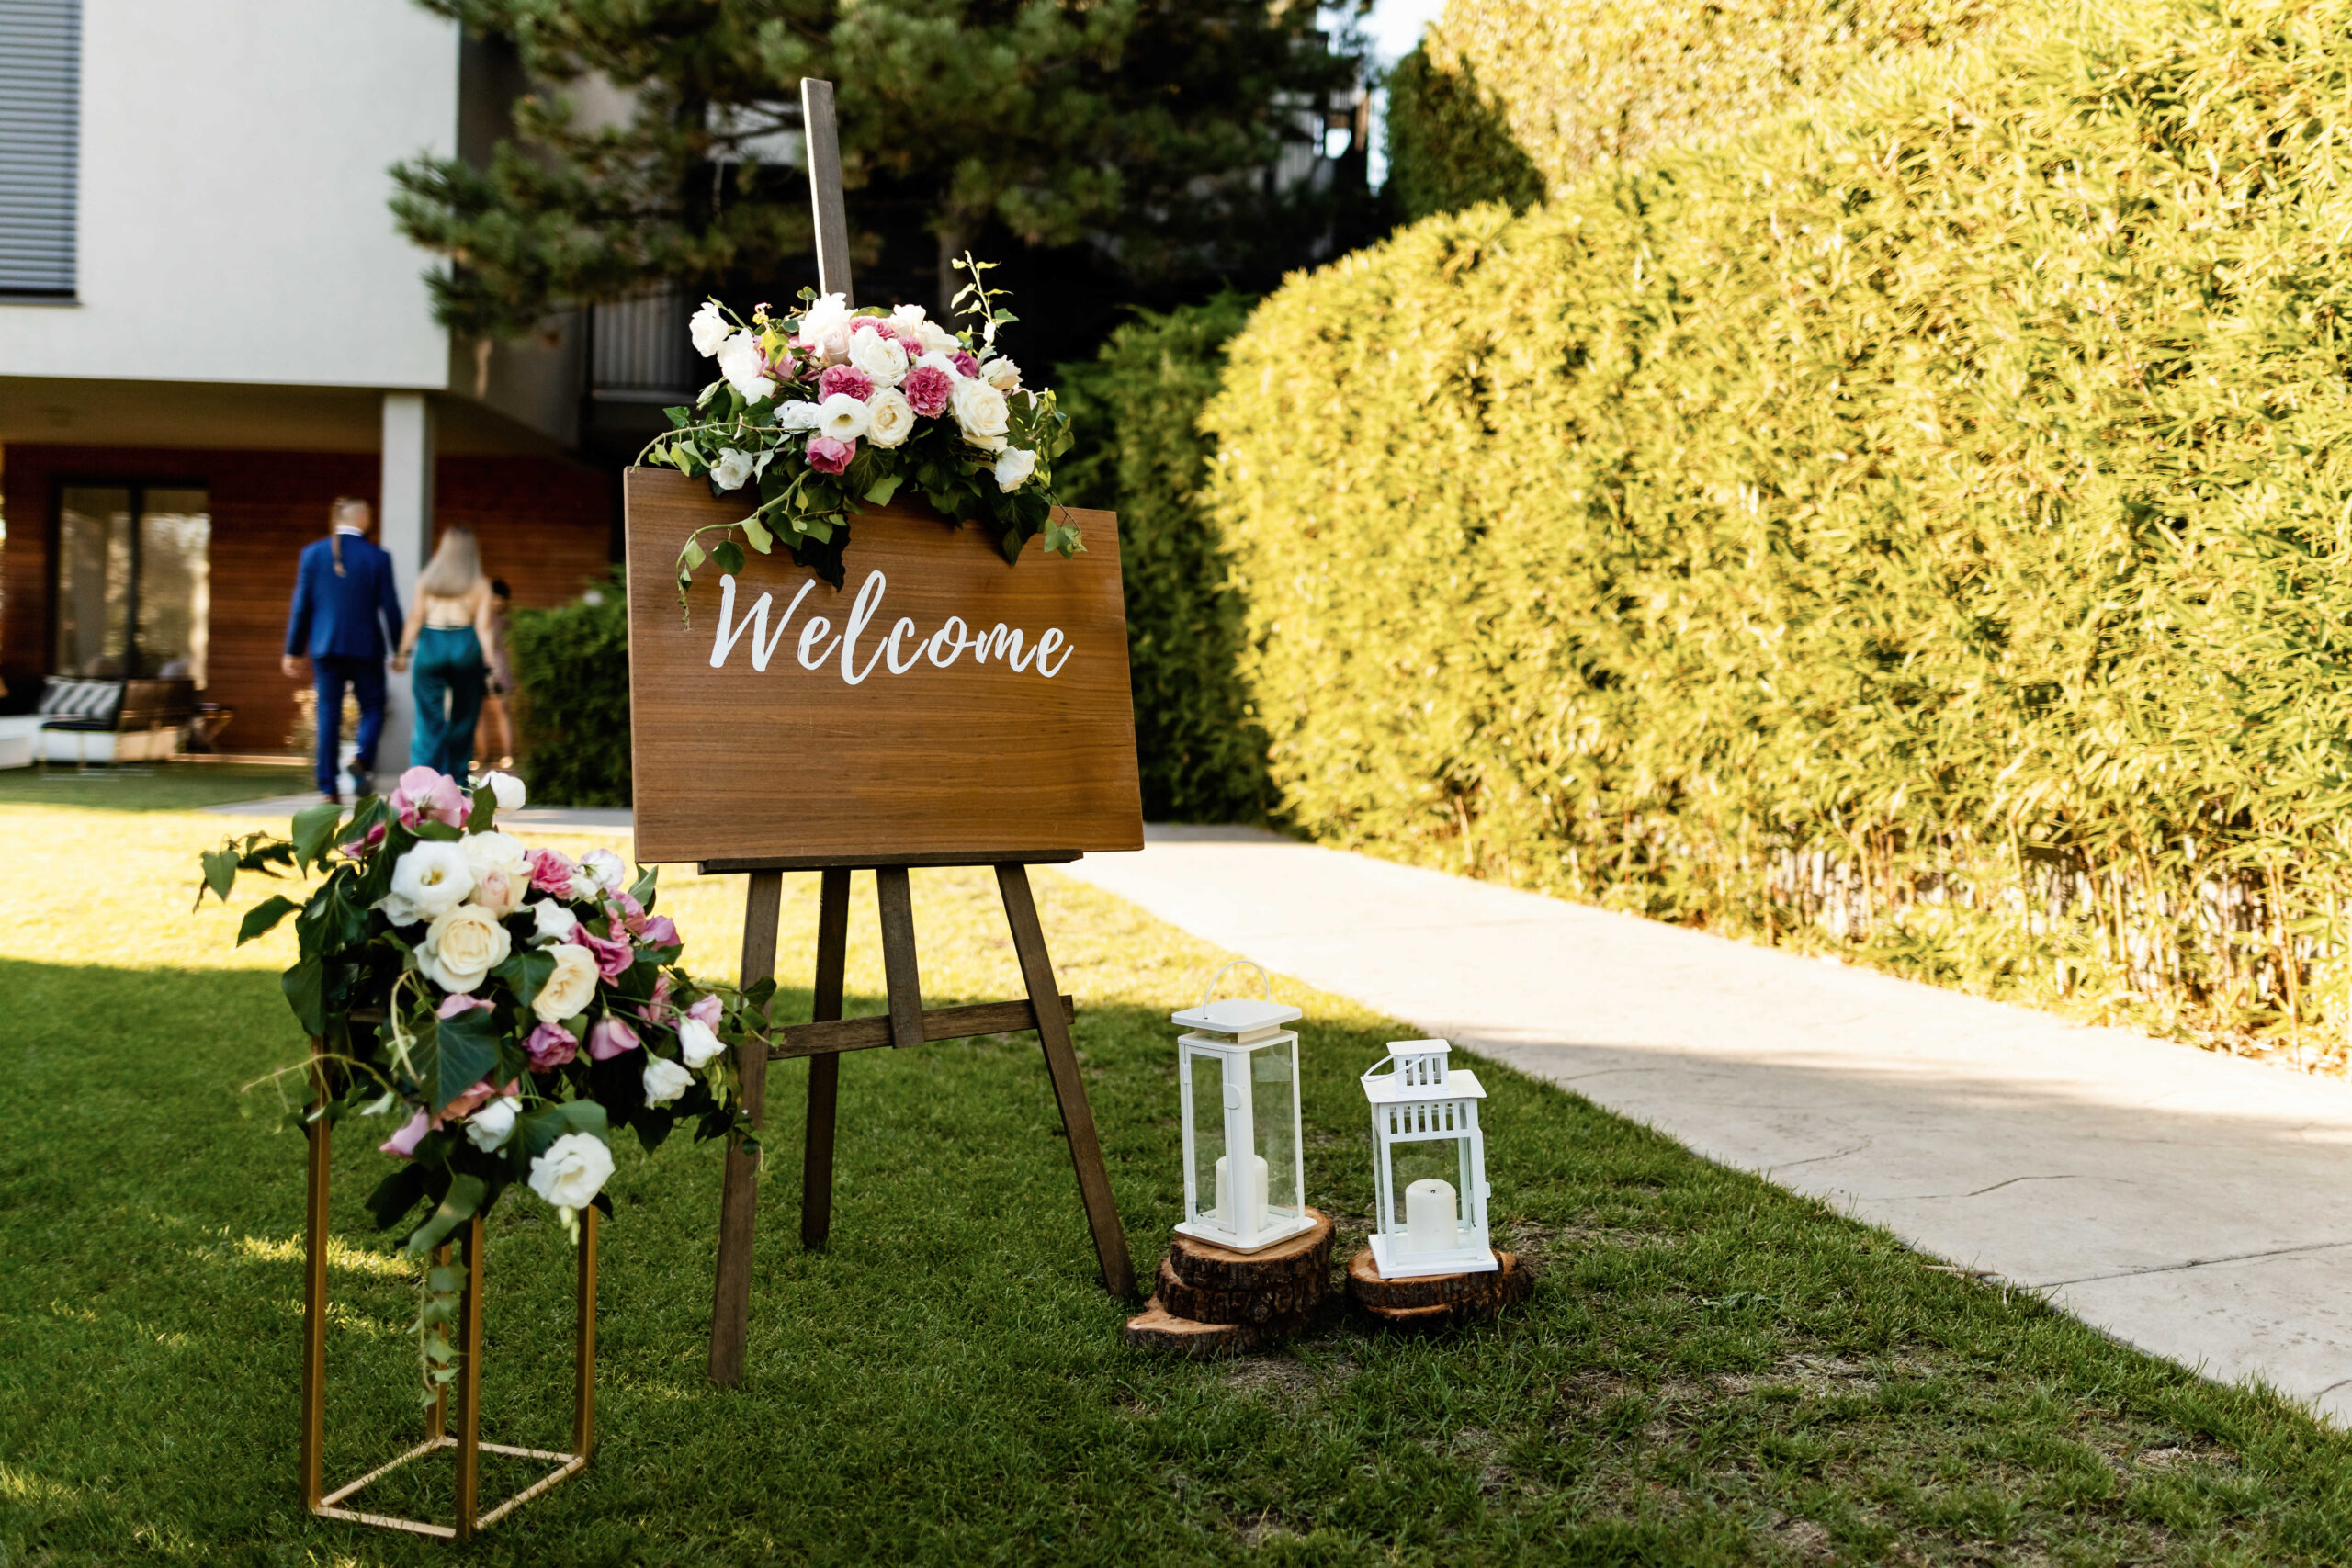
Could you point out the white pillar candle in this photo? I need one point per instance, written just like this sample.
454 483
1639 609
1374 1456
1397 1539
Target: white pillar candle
1429 1216
1226 1216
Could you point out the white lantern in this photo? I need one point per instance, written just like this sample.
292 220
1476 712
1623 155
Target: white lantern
1237 1076
1424 1130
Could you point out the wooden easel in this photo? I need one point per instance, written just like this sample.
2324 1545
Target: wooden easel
908 1022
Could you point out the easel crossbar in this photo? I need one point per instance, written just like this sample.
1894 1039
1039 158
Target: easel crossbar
832 1036
567 1465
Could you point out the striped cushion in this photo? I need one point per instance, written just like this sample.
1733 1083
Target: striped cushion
81 699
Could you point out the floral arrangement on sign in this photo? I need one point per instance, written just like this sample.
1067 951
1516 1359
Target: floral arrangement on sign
505 1007
832 409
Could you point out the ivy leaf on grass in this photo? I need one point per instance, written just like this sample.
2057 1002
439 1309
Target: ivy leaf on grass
314 828
264 917
536 1133
396 1195
462 1202
220 874
305 988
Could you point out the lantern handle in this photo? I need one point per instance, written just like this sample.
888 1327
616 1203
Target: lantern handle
1267 994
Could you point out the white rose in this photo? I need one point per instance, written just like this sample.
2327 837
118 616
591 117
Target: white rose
430 880
1013 469
937 359
554 923
880 356
980 411
732 470
507 788
842 417
1002 374
606 868
797 414
461 947
890 418
937 338
571 988
825 325
573 1171
912 316
664 1080
745 368
495 851
499 893
709 329
697 1043
492 1125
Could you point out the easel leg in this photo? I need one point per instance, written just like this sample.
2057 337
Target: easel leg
824 1072
1069 1089
739 1203
583 1372
897 901
469 1385
314 1314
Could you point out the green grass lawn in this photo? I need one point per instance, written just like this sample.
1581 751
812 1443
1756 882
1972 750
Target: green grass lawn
1710 1371
166 787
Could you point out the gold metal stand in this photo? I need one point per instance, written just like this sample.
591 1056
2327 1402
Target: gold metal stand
468 1441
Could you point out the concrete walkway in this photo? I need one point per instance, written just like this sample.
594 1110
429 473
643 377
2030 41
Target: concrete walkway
2194 1205
530 819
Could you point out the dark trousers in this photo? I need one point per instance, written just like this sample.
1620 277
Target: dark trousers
365 679
449 682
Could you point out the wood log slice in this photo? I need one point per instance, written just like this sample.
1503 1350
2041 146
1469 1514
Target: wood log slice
1157 1329
1204 1267
1295 1297
1437 1299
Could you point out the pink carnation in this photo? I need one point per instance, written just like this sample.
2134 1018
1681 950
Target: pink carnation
965 365
928 387
403 1143
424 792
828 456
846 379
550 1045
613 958
609 1038
551 871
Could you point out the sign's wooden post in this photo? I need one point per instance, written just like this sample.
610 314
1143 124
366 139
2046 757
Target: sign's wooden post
1001 736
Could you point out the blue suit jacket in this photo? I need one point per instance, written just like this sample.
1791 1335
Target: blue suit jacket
356 616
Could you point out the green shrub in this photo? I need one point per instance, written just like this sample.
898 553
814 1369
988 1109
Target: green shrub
571 676
1448 145
1925 529
1136 409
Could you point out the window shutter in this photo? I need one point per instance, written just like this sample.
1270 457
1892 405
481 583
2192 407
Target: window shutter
40 71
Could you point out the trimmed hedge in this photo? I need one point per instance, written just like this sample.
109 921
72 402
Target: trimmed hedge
1927 531
1136 408
571 676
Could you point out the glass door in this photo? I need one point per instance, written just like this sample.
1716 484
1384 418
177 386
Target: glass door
134 586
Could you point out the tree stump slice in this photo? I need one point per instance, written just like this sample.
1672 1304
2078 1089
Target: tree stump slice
1291 1300
1305 1257
1157 1329
1437 1299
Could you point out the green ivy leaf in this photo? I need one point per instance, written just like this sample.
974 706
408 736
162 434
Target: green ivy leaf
314 828
880 491
462 1203
305 988
756 532
728 557
219 874
263 918
468 1054
691 555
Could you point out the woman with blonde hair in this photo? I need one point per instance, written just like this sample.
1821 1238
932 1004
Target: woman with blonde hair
448 630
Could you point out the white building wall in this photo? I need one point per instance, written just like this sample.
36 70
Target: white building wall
232 220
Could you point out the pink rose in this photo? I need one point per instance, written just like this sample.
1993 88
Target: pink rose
403 1143
928 387
551 871
706 1013
965 365
845 378
452 1006
609 1038
424 792
828 456
613 958
550 1045
781 364
658 932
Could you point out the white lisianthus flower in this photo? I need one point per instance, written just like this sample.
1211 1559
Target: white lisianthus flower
507 788
1001 373
890 418
571 988
842 417
698 1042
606 868
429 880
980 412
732 469
553 924
664 1080
797 414
461 947
709 329
584 885
491 1126
745 368
880 356
573 1171
1013 469
824 326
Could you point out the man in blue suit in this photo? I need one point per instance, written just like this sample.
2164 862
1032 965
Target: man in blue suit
346 615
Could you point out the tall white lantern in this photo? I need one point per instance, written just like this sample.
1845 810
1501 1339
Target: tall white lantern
1424 1130
1244 1174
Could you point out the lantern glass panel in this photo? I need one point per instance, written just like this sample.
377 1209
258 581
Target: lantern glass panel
1207 1072
1429 1159
1273 1082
